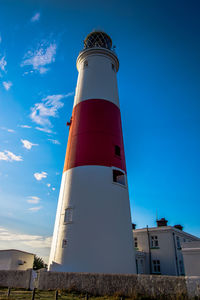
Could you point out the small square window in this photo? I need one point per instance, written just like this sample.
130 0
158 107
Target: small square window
68 215
135 242
64 243
117 150
119 177
85 63
113 67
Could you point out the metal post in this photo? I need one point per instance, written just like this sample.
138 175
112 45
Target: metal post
8 292
86 297
56 295
33 294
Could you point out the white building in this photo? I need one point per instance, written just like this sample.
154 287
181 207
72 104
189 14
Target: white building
158 249
191 257
12 259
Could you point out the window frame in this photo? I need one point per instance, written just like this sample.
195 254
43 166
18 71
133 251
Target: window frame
70 209
122 173
156 266
154 242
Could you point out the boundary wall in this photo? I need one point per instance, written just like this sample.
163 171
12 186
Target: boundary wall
149 286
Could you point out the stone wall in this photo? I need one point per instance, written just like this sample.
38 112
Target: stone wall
108 284
155 286
15 279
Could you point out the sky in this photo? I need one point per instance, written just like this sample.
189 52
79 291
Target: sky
158 46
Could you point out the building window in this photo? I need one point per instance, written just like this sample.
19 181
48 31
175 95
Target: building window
113 68
181 267
64 243
156 266
85 63
68 215
119 177
178 245
135 242
154 241
117 150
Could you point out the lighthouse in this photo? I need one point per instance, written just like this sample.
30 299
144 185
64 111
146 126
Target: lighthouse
92 231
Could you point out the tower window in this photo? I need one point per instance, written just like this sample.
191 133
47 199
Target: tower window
119 177
68 215
117 150
64 243
113 67
85 63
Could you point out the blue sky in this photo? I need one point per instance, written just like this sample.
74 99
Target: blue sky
158 46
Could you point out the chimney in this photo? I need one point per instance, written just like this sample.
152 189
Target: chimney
178 226
133 226
161 222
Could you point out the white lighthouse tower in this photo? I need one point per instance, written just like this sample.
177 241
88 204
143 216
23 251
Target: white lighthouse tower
92 230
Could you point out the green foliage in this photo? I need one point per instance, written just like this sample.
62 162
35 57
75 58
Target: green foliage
38 263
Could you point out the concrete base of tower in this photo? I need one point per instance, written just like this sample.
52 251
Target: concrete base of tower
93 226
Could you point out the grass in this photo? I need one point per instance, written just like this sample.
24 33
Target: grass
19 294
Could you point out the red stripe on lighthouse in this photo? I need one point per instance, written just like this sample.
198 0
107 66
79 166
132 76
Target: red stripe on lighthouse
95 136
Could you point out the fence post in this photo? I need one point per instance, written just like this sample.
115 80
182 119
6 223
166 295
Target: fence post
56 295
86 296
8 292
33 294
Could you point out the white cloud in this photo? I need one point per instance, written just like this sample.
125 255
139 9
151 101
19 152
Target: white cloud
36 208
54 141
7 129
33 199
35 17
53 189
9 156
24 126
44 129
36 244
27 144
40 176
48 184
44 55
7 85
42 111
3 64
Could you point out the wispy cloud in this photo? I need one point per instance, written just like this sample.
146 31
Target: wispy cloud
44 129
35 17
40 176
27 144
35 208
33 200
24 126
56 142
48 184
43 56
46 109
7 85
3 64
53 189
8 129
26 242
9 156
0 39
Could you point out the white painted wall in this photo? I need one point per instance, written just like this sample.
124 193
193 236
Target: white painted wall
97 80
167 250
191 257
15 260
99 239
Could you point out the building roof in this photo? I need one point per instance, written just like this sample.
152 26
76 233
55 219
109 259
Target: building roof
166 228
16 250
